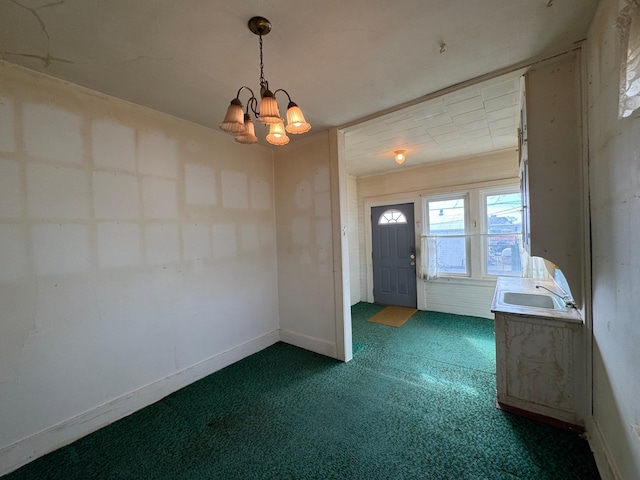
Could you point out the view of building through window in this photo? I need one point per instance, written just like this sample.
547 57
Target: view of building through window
447 222
504 234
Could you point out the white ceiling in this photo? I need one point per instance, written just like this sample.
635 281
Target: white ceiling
461 124
340 60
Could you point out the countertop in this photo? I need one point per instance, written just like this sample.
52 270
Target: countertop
528 285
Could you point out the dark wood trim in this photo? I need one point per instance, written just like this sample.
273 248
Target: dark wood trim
554 422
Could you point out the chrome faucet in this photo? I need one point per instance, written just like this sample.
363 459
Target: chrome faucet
566 298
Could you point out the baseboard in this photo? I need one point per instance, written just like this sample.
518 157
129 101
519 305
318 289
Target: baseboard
22 452
317 345
606 465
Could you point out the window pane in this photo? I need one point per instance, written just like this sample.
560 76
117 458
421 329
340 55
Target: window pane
447 224
504 229
451 254
446 217
392 216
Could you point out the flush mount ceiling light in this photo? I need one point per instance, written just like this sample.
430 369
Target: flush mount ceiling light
239 122
400 156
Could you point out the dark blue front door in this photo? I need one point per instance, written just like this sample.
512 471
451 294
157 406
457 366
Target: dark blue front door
394 255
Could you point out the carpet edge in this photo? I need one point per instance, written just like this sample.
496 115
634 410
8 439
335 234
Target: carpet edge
18 454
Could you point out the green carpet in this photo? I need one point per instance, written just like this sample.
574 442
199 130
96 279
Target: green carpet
416 402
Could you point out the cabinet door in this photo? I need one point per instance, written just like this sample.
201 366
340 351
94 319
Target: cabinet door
539 357
537 366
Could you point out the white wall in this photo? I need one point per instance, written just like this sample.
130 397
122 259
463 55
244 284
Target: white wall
305 245
353 230
465 297
137 254
614 150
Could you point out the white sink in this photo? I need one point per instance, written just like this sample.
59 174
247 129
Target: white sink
535 300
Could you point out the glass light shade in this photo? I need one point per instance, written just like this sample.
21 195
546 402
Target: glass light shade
277 135
233 121
249 134
400 156
269 112
295 120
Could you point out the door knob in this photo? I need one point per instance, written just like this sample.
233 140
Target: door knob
412 256
412 263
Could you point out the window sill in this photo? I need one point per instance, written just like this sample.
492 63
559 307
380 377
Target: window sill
484 282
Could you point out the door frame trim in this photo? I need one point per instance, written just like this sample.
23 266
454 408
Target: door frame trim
384 200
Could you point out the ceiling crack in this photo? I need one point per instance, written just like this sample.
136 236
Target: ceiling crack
45 59
33 12
48 5
144 57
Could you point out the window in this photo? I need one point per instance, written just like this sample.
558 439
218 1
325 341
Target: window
392 216
628 24
476 234
447 237
503 233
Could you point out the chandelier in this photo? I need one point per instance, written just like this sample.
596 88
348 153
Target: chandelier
238 120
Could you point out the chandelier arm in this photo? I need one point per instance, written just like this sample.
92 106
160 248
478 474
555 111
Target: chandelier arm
244 88
253 105
285 92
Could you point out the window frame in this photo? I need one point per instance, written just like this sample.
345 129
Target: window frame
463 195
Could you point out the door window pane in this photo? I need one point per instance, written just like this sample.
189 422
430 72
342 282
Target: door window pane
392 216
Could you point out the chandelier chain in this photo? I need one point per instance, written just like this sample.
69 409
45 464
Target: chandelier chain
263 82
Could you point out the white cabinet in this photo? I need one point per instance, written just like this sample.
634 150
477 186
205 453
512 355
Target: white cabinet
551 166
539 365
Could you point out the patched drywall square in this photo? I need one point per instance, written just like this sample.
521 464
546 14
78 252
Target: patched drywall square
200 185
10 189
115 195
159 198
321 182
113 145
304 195
250 238
162 243
60 248
260 194
57 192
196 242
13 264
323 204
119 245
7 132
301 230
323 232
51 133
157 154
305 257
235 192
324 265
224 240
